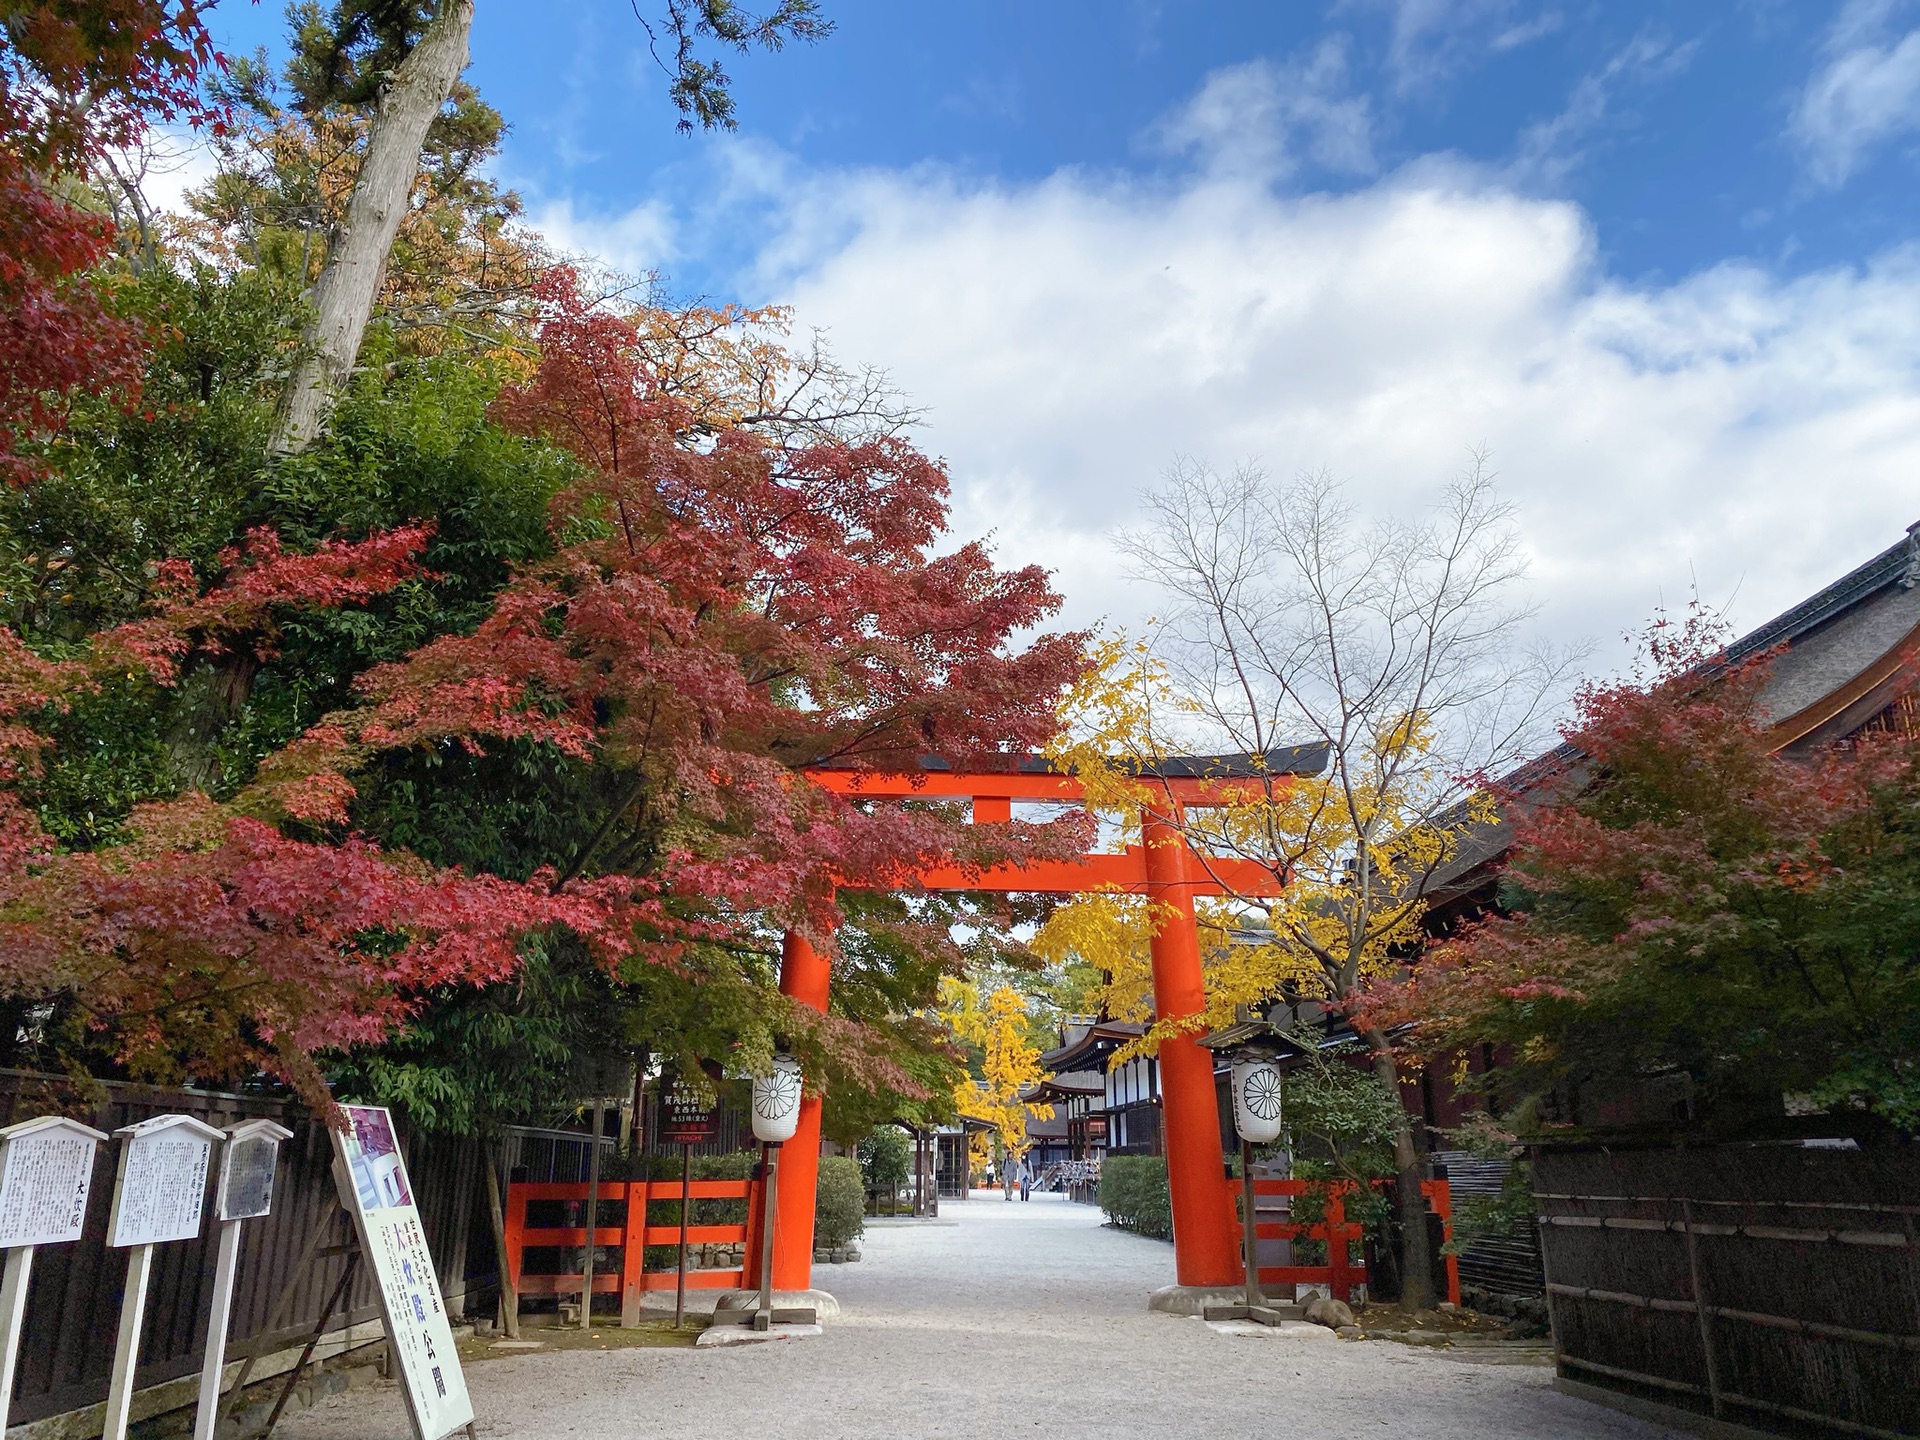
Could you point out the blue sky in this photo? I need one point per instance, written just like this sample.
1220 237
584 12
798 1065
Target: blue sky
1658 258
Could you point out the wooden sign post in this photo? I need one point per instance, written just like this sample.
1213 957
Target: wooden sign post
160 1196
245 1190
686 1119
46 1170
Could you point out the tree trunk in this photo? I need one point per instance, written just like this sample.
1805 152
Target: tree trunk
357 259
212 692
1416 1254
509 1297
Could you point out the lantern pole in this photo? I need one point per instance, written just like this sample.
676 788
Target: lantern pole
1253 1305
776 1097
593 1218
769 1208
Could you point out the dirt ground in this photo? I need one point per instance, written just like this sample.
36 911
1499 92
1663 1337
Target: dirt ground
1003 1320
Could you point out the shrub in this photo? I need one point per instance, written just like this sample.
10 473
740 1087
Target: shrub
887 1158
840 1201
1134 1195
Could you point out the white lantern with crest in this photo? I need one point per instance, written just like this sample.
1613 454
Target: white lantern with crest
776 1101
1257 1090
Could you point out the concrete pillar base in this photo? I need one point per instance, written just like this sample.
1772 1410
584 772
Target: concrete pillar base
1194 1299
822 1303
740 1335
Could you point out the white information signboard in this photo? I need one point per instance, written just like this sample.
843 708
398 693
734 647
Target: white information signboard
46 1170
162 1194
245 1189
247 1164
372 1179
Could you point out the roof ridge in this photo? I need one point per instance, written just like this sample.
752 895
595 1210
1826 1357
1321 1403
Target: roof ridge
1898 563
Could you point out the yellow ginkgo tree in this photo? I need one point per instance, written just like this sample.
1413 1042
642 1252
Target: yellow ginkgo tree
1393 652
999 1026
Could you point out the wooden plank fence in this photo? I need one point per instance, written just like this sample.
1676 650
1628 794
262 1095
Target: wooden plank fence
1768 1286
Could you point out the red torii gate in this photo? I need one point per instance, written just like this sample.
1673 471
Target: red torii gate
1162 867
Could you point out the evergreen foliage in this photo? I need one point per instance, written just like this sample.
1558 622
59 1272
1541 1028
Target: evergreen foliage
840 1204
1134 1194
886 1159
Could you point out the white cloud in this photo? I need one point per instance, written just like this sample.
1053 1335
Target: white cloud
1430 40
1262 119
1550 149
166 164
1865 91
1071 337
637 242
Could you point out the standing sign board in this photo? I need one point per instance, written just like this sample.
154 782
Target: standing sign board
46 1170
162 1191
685 1119
245 1190
160 1196
372 1180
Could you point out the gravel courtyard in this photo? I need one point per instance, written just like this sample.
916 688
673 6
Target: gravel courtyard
1001 1320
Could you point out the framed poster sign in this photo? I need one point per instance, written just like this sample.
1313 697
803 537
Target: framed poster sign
372 1179
46 1171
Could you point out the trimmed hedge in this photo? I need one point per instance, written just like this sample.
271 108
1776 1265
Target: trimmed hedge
840 1201
1134 1195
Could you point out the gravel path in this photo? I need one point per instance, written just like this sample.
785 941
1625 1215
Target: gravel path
1002 1320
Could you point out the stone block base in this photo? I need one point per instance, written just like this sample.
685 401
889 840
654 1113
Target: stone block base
824 1305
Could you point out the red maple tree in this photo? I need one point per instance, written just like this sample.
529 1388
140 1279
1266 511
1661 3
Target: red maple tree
77 78
1686 901
716 614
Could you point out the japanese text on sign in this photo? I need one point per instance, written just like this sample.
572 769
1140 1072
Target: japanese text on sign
372 1179
43 1188
163 1189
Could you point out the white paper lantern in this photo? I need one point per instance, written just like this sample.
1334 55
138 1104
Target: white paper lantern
776 1101
1256 1101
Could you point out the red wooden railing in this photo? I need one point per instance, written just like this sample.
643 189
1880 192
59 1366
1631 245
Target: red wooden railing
630 1279
1340 1274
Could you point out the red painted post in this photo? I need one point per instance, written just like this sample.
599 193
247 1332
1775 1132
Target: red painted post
516 1224
1205 1229
804 975
1339 1283
633 1254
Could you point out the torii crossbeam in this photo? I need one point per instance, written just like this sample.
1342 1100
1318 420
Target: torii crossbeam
1162 867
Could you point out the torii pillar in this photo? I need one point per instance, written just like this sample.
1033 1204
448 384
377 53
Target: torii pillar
1206 1232
804 976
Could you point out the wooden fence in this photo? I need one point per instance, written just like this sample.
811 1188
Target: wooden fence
1772 1286
1341 1273
73 1303
627 1231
